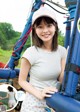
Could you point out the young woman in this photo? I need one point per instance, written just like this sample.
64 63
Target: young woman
44 61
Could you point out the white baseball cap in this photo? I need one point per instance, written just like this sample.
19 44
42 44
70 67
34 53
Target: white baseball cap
44 11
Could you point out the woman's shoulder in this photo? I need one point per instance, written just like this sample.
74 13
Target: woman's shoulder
31 49
62 50
31 54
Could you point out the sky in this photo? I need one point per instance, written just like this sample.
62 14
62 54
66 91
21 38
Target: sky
16 12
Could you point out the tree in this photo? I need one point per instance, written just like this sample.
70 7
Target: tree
61 38
7 30
3 42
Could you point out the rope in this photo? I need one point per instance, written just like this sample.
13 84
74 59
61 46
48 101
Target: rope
25 37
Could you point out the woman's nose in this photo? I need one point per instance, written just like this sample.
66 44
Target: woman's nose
45 29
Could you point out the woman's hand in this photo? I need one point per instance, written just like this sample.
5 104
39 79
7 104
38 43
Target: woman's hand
47 92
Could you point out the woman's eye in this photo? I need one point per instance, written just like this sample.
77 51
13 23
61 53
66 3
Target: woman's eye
39 26
49 25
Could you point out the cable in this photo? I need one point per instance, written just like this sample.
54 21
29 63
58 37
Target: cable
54 8
57 5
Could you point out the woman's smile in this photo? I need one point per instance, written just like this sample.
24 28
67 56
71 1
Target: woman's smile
46 35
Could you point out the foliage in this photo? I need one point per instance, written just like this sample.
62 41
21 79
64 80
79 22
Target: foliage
60 38
3 41
7 30
7 34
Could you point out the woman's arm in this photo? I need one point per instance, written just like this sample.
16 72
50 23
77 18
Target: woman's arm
24 70
63 62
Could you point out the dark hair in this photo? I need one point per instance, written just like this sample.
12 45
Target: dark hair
37 41
10 88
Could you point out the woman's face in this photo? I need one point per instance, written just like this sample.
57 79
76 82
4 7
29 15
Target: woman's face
45 31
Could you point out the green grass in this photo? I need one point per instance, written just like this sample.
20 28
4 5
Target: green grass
5 55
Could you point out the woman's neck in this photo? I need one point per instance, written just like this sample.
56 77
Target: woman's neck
47 47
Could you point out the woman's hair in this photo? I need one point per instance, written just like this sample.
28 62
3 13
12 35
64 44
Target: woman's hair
37 41
10 88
